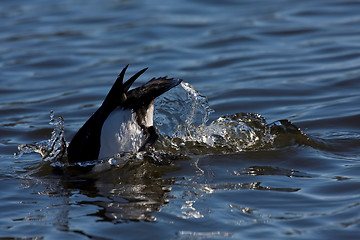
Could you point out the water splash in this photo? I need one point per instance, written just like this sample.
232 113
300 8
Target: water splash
181 116
231 133
181 109
236 132
51 150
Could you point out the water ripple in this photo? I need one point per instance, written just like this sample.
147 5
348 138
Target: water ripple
280 59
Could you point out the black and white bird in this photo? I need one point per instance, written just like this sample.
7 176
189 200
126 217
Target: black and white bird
124 121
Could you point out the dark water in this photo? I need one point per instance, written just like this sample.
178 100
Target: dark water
296 60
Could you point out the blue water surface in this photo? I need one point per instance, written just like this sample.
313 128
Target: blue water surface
283 59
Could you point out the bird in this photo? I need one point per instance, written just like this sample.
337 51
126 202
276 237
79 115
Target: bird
124 121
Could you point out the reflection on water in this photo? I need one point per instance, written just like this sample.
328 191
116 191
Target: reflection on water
206 182
139 189
132 192
269 170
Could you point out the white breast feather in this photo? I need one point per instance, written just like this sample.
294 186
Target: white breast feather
149 118
121 133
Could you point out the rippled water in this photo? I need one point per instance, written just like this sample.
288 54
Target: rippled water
269 60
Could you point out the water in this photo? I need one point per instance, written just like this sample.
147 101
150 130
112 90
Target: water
269 60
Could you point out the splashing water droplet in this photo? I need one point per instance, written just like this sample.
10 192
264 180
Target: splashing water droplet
191 111
232 133
180 109
51 150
